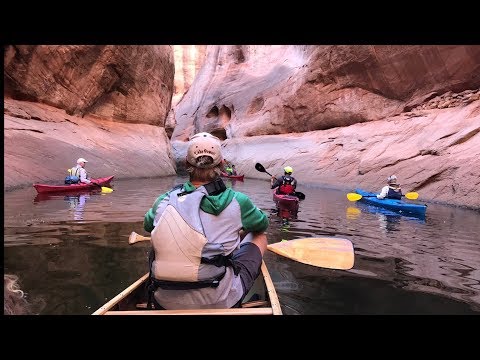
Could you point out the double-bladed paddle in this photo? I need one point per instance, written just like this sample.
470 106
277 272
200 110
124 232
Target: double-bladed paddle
356 197
260 168
104 188
325 252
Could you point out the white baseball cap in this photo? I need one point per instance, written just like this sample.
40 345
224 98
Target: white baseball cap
392 179
204 144
81 160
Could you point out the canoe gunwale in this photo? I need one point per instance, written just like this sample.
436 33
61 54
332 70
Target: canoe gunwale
269 307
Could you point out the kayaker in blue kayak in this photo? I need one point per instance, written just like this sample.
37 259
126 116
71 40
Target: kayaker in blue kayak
207 240
286 184
392 190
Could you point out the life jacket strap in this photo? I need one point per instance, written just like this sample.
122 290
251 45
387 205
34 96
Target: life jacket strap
221 260
185 285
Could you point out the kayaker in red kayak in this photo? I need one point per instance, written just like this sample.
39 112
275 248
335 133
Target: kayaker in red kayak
230 168
286 184
392 190
80 172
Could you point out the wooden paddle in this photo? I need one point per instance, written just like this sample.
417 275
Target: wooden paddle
260 168
356 197
330 253
134 237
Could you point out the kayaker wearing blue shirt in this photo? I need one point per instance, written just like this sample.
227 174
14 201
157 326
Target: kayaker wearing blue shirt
201 257
392 190
286 183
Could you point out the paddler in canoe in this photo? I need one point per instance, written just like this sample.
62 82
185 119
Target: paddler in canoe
199 257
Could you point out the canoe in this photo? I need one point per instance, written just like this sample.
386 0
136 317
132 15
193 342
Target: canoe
46 188
234 177
287 205
399 206
261 300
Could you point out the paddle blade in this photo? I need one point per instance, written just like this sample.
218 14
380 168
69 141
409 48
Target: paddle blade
300 195
411 195
134 237
260 167
354 196
330 253
106 190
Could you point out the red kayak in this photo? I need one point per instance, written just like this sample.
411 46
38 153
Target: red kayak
44 188
235 177
286 204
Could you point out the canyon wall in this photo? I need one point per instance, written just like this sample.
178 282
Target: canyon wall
108 104
398 98
341 116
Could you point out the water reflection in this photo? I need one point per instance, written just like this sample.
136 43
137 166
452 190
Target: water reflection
388 220
76 201
353 213
77 204
286 213
229 183
388 223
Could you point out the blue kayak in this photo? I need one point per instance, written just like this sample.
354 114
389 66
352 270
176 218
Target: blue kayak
392 204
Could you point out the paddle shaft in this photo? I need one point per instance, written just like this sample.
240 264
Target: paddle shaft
103 188
327 253
356 197
269 173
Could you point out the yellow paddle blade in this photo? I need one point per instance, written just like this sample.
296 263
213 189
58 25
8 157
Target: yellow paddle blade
411 195
354 196
330 253
106 190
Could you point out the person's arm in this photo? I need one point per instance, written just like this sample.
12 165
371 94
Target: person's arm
150 214
274 182
383 194
83 176
253 219
258 238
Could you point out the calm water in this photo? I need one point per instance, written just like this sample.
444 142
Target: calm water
73 252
